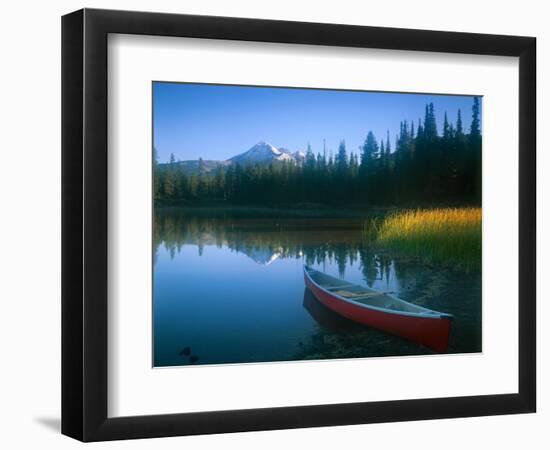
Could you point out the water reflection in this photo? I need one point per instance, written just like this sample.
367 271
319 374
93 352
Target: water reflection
232 290
317 241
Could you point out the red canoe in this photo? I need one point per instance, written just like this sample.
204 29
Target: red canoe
381 310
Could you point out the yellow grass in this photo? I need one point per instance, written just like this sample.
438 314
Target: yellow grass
448 235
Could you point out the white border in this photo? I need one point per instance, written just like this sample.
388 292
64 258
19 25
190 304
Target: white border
135 388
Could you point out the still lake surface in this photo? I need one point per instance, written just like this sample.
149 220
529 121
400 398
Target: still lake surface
231 290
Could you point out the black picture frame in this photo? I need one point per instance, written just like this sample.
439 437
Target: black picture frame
84 224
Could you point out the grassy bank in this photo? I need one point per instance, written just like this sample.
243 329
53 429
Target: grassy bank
449 235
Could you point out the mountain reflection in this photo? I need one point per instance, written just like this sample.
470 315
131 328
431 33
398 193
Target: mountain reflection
264 240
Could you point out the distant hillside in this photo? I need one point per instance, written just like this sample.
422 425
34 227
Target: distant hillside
192 167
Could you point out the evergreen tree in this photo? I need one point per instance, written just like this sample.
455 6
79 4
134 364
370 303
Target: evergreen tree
220 188
310 159
156 177
420 131
474 152
369 150
459 129
446 128
353 166
475 132
342 158
430 128
321 163
202 188
170 179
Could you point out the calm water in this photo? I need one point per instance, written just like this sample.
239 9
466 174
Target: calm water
231 290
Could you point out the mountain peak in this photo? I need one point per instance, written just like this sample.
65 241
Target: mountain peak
262 152
263 146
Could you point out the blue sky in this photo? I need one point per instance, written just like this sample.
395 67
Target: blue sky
218 122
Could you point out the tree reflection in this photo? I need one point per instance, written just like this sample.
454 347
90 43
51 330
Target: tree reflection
315 241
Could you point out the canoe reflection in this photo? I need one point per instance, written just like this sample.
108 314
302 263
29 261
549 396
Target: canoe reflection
325 317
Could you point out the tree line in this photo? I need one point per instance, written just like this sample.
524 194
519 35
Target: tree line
421 166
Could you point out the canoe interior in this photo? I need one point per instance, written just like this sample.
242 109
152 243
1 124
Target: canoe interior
365 295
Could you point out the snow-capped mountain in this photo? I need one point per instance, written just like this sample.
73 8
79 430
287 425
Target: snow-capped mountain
262 152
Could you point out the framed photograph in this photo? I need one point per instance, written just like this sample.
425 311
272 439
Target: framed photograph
273 224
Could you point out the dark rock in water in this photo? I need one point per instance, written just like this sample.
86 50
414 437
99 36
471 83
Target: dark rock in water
193 359
186 351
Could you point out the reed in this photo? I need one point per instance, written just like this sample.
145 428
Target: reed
447 235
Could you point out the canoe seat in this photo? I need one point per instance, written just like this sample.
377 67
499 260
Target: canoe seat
333 288
362 294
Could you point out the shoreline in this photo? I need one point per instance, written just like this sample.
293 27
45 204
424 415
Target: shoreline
259 211
299 210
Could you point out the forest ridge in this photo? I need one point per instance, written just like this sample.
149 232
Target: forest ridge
422 166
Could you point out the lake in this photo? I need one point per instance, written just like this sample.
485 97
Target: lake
230 289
